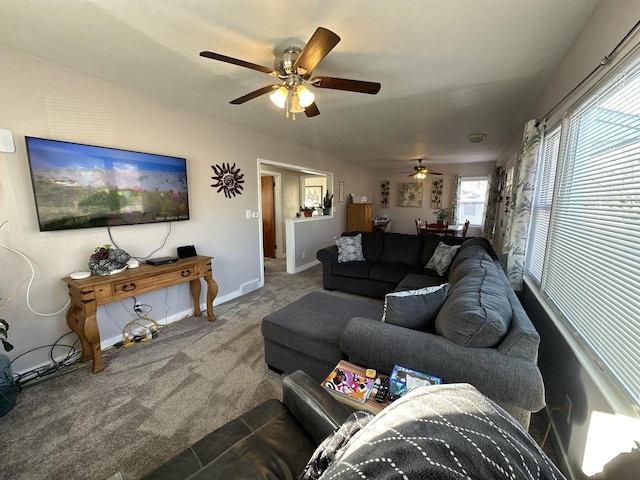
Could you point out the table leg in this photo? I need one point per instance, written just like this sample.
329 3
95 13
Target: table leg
194 287
86 327
212 292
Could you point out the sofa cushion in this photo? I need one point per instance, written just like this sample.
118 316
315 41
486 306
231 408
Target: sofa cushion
390 272
313 323
442 258
372 243
350 249
477 313
415 281
414 309
401 248
351 269
472 248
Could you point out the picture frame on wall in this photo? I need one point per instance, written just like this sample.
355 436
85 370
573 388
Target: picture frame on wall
313 196
341 191
410 194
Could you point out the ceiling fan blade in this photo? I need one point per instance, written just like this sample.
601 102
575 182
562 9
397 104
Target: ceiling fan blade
254 94
312 110
240 63
424 171
345 84
319 45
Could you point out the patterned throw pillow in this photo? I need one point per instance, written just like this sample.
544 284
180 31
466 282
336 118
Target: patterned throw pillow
414 309
350 249
442 257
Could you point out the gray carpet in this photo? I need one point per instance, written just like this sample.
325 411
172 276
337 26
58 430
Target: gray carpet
155 398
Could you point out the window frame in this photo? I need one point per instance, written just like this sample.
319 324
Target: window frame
459 217
614 388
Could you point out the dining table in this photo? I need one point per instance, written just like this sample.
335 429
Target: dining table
441 229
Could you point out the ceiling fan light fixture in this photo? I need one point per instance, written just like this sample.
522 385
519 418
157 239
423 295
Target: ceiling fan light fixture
420 175
279 97
476 138
305 96
295 105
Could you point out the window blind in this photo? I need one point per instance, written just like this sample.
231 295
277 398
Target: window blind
592 265
541 210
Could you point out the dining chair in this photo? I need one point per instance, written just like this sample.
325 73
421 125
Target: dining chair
465 228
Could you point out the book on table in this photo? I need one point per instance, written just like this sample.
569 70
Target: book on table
402 380
347 382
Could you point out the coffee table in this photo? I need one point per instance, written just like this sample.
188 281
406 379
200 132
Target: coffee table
370 405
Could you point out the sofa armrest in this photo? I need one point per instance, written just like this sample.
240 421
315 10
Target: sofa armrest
312 406
328 255
505 379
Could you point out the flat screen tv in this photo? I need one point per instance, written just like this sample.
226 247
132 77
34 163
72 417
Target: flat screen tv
84 186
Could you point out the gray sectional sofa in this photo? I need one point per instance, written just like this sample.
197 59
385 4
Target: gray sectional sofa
478 333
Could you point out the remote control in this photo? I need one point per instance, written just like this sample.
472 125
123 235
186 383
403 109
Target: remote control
382 390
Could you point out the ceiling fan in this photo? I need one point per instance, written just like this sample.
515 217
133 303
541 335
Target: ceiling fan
420 172
294 68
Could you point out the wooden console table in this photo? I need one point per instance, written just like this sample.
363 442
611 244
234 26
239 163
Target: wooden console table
87 294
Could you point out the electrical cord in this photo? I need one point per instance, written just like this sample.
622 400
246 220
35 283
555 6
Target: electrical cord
164 242
546 433
33 276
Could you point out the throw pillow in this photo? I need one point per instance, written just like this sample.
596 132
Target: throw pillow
350 249
414 309
442 258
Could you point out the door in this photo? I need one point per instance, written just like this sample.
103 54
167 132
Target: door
268 217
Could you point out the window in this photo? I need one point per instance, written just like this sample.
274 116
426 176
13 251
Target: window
541 209
471 200
590 270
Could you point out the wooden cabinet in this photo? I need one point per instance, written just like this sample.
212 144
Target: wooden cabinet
359 217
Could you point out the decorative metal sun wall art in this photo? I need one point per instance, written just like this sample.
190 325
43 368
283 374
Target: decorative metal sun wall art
229 179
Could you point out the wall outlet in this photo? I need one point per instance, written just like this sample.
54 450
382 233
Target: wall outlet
567 407
304 254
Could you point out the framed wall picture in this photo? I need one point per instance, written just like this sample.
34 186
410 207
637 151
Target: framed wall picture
436 192
341 191
384 193
409 194
313 196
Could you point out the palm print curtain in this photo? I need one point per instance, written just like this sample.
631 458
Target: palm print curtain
493 197
456 198
516 236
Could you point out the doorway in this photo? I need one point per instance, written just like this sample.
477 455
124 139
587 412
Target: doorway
269 246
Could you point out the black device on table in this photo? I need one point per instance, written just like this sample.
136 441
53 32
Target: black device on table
382 389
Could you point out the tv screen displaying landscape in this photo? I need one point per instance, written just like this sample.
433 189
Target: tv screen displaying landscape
83 186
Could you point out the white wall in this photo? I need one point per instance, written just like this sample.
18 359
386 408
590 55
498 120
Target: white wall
403 218
563 373
42 99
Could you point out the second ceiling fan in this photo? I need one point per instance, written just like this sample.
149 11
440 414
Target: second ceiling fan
420 172
294 68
